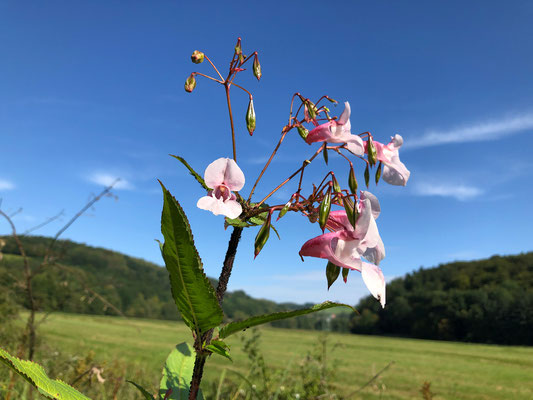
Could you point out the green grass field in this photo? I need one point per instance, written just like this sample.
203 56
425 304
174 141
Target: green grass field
455 370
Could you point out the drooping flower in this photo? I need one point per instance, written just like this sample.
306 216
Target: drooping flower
345 245
222 176
338 131
394 171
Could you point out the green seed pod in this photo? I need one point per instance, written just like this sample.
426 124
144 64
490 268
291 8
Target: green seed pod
332 100
352 182
378 172
311 109
284 210
257 68
325 208
325 154
345 272
262 237
367 175
371 151
332 273
336 186
250 117
351 210
302 131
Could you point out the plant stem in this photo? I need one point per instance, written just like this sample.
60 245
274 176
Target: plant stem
226 86
201 357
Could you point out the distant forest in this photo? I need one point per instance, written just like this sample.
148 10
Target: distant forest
488 301
89 280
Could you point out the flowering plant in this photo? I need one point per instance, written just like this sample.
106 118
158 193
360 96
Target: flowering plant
351 243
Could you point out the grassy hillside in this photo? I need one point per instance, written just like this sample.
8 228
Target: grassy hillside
90 280
137 349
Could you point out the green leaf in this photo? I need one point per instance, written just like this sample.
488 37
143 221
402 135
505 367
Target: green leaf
219 349
147 395
332 273
191 289
177 373
233 327
198 178
35 375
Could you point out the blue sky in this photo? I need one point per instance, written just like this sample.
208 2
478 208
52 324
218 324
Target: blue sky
90 91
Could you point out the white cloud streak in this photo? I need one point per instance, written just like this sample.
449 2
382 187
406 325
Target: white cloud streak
479 132
105 179
6 185
459 192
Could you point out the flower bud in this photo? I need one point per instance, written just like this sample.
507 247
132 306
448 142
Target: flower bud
250 117
371 151
332 100
302 131
238 48
352 182
332 273
262 237
190 83
325 208
257 68
197 57
325 154
367 175
345 272
378 172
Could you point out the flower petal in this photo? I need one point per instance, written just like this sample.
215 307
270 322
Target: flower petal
374 202
231 209
233 177
374 281
355 145
327 245
214 173
321 133
345 116
396 173
207 203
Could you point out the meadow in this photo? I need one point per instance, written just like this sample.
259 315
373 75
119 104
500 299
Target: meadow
455 370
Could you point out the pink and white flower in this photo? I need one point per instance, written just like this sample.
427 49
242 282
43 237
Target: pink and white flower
223 176
344 246
394 171
338 131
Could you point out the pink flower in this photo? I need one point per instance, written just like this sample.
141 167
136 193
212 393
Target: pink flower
338 131
394 171
345 246
223 176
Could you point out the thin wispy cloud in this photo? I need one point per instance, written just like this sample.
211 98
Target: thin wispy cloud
476 132
105 179
460 192
6 185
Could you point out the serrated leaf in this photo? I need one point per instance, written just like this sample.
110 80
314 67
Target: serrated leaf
193 293
198 178
147 395
236 326
177 373
35 375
